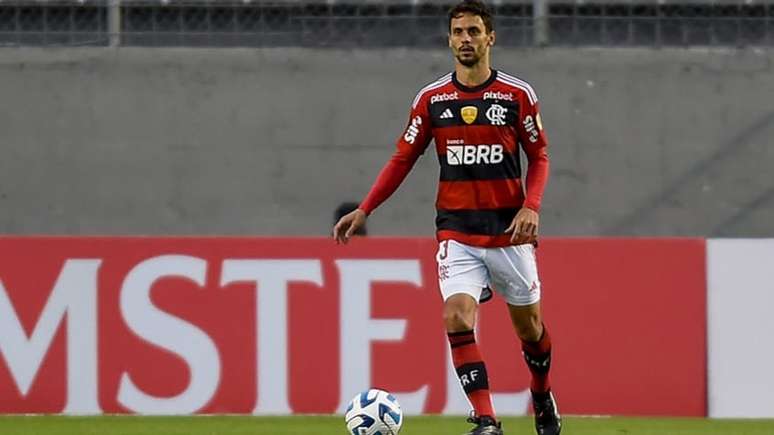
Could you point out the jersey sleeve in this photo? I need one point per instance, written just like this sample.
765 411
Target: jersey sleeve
411 144
534 143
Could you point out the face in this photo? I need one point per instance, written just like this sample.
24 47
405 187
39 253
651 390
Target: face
469 40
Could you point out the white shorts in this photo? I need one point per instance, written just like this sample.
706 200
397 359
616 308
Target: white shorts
511 271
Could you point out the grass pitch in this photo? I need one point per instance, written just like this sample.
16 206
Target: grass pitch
325 425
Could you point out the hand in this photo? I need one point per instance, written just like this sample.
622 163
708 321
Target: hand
524 227
348 224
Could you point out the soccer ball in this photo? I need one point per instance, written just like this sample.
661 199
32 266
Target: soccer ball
374 412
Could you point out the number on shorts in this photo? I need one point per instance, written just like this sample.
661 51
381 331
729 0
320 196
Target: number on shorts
444 250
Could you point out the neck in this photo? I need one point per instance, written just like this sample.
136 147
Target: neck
474 75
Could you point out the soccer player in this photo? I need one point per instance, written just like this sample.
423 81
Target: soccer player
487 221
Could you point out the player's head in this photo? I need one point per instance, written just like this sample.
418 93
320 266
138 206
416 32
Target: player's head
471 33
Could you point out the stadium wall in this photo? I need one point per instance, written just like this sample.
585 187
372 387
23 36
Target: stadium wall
299 325
269 141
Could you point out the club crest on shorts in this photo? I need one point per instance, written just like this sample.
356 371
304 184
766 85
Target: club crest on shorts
469 114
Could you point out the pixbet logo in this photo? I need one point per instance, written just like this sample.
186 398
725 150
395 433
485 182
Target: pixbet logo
474 154
413 130
444 97
498 96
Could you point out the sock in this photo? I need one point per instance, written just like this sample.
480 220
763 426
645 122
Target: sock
471 371
537 354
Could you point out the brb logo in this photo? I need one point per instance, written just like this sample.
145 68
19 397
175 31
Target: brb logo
474 154
413 130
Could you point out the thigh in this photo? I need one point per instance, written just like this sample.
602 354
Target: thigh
514 274
461 269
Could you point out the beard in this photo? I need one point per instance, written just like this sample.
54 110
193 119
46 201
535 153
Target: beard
469 60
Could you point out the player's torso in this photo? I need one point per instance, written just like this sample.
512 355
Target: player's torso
475 131
477 142
473 118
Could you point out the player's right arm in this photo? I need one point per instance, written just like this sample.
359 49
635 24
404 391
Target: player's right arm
411 144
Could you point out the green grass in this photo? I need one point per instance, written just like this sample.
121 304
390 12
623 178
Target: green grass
324 425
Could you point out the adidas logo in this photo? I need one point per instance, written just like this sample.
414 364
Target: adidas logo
447 114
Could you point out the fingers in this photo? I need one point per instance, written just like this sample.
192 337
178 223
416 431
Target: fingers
524 232
339 232
530 234
336 231
516 234
510 228
346 227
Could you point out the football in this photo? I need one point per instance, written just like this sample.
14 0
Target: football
374 412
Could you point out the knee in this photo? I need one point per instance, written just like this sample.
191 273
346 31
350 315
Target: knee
530 329
458 319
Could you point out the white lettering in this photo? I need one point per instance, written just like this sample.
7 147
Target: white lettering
271 278
358 329
74 294
413 130
474 154
498 96
497 154
483 155
457 402
529 123
469 154
530 127
444 97
171 333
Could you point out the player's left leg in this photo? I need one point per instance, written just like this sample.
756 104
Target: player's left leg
514 274
536 348
535 343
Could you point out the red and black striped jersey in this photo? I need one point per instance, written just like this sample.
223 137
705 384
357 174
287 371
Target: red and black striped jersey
477 133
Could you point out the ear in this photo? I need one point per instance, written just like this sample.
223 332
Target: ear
448 35
492 38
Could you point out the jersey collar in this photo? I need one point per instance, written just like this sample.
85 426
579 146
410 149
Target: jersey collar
482 86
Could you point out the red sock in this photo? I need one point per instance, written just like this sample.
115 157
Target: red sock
537 354
471 371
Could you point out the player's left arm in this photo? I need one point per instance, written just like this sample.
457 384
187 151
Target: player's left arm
524 227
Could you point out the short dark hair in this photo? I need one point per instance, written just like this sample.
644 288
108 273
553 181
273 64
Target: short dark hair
474 7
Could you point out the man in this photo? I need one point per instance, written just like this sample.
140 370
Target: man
486 224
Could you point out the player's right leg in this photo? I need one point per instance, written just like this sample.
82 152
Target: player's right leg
462 276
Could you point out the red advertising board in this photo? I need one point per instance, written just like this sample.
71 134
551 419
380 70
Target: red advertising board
299 325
